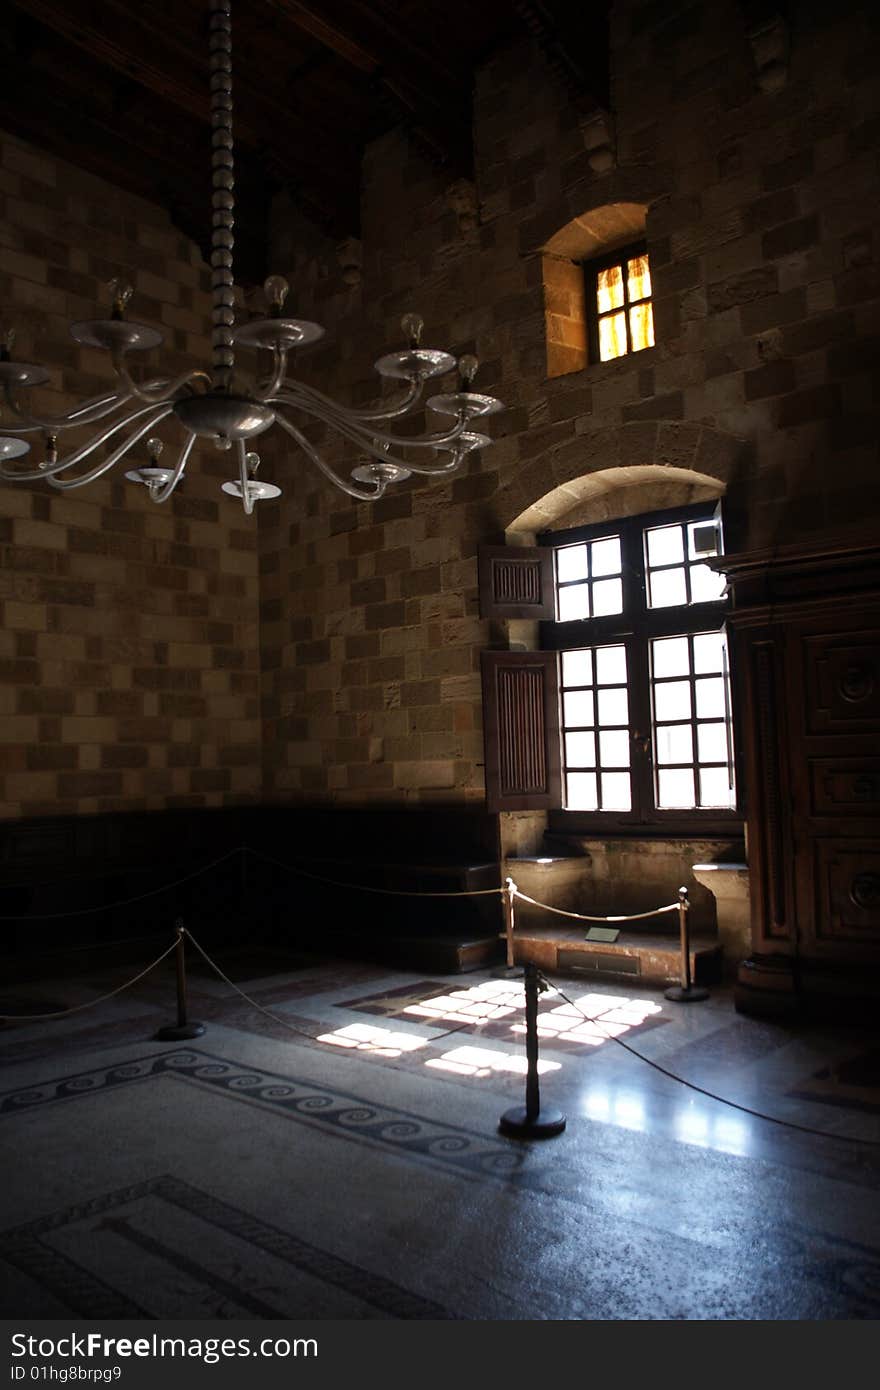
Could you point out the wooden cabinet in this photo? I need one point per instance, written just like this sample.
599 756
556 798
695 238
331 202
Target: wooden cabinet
806 628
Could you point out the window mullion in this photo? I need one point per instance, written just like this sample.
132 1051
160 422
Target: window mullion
641 732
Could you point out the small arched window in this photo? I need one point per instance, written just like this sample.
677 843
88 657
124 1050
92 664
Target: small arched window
597 289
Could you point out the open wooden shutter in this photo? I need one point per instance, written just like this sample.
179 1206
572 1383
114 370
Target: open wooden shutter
516 582
521 730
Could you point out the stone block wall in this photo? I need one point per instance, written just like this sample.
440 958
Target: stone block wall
129 671
762 231
138 642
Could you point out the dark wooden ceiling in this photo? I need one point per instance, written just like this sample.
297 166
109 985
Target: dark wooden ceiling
120 87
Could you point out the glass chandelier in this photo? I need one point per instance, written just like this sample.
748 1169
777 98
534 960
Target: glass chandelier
219 405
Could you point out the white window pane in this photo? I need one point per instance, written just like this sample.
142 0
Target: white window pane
714 787
665 545
668 588
710 697
674 743
580 750
607 597
672 700
577 707
671 657
712 743
675 788
611 665
582 791
613 707
708 653
571 562
709 535
574 603
614 748
577 668
616 791
706 585
605 557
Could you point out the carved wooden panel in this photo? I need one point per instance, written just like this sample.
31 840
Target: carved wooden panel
842 682
516 582
845 787
521 730
848 891
766 733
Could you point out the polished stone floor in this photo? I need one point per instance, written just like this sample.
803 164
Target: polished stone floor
341 1157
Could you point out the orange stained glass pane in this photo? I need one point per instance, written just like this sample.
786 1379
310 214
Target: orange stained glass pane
609 289
639 278
612 337
641 326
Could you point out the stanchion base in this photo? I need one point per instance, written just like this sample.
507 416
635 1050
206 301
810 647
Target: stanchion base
179 1032
516 1124
692 995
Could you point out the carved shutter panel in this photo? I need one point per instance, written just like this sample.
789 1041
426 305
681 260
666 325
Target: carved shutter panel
521 731
516 582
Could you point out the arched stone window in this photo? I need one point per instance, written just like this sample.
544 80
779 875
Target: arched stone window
629 662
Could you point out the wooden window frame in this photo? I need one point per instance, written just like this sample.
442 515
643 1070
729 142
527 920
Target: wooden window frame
591 308
634 628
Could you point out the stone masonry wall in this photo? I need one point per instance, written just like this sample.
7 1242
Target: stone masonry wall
762 232
129 671
134 651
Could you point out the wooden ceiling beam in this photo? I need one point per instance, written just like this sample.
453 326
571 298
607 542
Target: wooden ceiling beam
432 97
172 72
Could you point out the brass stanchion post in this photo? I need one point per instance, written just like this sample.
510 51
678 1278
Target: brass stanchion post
177 1032
686 992
530 1121
509 891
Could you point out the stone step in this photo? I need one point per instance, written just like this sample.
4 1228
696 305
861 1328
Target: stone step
649 958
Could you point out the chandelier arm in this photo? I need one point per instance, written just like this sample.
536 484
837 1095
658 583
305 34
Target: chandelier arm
154 417
165 492
277 381
401 408
383 456
160 390
48 470
246 500
94 409
362 494
367 438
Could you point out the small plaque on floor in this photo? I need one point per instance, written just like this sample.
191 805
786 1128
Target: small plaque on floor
602 934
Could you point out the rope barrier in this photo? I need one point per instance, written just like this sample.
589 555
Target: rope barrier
122 902
274 1017
692 1086
367 888
92 1003
583 917
523 1123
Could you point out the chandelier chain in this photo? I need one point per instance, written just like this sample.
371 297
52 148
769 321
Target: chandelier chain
223 198
223 408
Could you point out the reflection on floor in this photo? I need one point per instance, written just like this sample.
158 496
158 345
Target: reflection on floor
341 1159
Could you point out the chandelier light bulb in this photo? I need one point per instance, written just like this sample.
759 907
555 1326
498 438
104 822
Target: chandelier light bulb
276 290
467 368
413 326
121 293
219 404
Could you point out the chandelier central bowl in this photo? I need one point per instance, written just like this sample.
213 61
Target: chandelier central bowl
218 415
